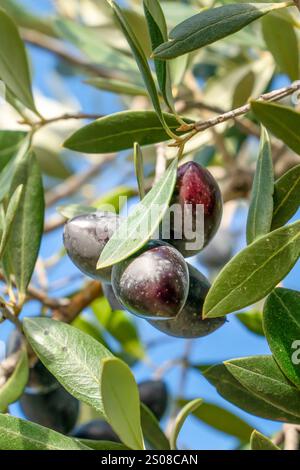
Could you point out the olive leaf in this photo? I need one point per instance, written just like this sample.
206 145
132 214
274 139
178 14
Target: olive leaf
139 169
282 121
252 320
237 394
281 321
211 25
9 217
159 34
286 197
117 86
72 356
120 131
15 384
138 228
261 204
152 431
189 408
254 272
262 376
18 434
222 420
260 442
24 241
14 69
121 402
282 42
10 142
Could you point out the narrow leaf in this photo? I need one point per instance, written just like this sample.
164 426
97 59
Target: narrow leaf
139 169
72 356
117 86
282 121
252 320
10 142
15 384
282 42
152 431
282 329
120 131
159 34
138 228
102 445
14 69
222 420
254 272
188 409
234 392
262 376
17 434
286 197
10 216
261 204
121 402
211 25
24 241
260 442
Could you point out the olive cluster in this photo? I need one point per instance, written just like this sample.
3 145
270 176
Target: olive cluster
157 283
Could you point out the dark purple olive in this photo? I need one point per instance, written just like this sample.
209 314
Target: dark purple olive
55 409
154 394
96 430
195 186
153 283
85 237
189 322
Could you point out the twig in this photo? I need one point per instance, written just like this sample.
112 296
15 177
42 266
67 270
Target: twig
74 182
297 3
10 315
275 95
64 117
7 367
291 436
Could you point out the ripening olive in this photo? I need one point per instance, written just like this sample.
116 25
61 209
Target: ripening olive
154 394
189 322
96 430
195 186
85 237
153 283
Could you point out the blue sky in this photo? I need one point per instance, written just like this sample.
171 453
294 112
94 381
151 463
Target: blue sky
232 341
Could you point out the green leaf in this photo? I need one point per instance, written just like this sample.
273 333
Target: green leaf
10 217
159 34
152 431
234 392
139 169
222 420
15 384
282 42
254 272
117 86
188 408
73 210
14 70
282 328
121 402
261 204
260 442
211 25
118 324
282 121
72 356
141 61
286 197
18 434
87 327
138 228
102 445
10 142
252 320
120 131
24 241
262 376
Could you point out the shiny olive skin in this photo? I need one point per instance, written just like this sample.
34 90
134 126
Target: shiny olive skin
85 237
189 322
154 394
194 186
153 283
55 409
96 430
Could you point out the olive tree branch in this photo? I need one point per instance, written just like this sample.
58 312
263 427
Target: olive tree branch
275 95
297 3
